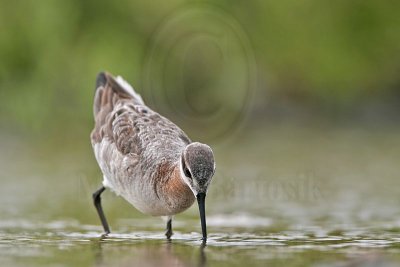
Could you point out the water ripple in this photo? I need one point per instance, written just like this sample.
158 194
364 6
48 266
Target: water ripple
66 233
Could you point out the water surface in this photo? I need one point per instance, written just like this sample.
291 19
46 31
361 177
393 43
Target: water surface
283 196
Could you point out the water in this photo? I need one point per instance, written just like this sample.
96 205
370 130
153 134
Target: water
72 244
283 196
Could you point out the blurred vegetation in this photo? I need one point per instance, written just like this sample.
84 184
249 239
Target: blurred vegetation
332 56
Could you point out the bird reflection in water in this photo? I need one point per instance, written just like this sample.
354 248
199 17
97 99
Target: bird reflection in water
146 254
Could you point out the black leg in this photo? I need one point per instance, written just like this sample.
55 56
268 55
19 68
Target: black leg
97 204
169 228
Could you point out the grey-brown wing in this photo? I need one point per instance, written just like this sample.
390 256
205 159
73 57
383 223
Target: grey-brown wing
109 93
122 118
138 129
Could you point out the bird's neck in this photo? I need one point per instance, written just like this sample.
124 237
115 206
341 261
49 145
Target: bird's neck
178 194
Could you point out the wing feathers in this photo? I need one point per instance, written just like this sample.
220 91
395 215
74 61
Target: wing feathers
109 90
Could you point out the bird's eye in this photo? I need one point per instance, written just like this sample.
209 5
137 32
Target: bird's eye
187 173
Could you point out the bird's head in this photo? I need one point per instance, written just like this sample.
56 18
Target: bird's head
197 169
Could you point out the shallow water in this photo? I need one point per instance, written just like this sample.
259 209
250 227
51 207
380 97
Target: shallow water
72 244
284 196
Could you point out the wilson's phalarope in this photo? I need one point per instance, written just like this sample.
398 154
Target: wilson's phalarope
144 157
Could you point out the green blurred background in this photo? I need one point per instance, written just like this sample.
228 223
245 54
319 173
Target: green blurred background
310 58
299 100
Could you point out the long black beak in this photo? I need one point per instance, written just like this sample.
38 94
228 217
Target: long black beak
201 198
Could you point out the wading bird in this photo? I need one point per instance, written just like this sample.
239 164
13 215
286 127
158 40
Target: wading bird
144 157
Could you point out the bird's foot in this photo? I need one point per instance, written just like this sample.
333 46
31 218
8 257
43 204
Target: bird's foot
168 234
104 235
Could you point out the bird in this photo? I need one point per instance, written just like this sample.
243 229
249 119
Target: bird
144 157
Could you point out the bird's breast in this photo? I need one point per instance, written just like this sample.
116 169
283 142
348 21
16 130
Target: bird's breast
177 193
161 194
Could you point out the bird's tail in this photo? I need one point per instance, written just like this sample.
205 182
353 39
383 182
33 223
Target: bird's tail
109 90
